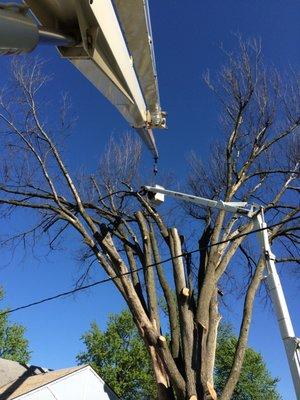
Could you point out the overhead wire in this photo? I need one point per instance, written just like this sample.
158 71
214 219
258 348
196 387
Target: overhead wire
112 278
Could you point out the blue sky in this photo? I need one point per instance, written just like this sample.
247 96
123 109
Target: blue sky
187 39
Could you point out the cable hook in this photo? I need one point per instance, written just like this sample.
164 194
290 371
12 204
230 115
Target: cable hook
155 166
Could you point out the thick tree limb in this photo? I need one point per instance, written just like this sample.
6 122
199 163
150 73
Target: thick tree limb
243 335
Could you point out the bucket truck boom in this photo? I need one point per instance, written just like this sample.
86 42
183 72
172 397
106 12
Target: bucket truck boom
109 41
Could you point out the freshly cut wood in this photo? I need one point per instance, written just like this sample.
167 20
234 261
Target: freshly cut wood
162 340
185 292
212 391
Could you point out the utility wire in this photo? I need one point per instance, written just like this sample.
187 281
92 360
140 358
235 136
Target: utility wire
81 288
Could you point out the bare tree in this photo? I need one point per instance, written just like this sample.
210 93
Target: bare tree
257 161
122 231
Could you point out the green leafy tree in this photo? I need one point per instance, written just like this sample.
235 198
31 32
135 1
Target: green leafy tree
120 357
13 344
255 382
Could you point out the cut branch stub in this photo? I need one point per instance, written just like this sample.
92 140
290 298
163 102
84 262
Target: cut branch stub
211 391
162 341
185 292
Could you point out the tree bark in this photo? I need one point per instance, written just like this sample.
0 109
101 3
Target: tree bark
244 333
185 313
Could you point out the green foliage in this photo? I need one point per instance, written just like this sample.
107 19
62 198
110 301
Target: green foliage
255 381
120 357
13 345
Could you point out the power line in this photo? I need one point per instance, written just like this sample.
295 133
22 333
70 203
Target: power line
110 279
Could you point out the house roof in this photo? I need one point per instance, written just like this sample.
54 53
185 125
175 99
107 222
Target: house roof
24 383
10 371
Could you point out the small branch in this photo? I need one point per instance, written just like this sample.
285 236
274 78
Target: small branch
288 260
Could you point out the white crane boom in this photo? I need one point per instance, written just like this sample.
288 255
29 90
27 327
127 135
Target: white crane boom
109 41
235 207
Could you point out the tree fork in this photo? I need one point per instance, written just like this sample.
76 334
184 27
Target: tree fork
148 272
170 301
185 312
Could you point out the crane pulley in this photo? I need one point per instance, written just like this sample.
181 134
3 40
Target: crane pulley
109 41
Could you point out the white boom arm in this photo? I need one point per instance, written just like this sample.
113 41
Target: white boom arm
291 342
109 41
235 207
